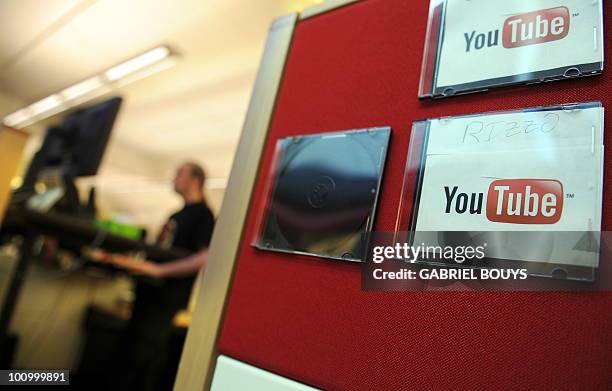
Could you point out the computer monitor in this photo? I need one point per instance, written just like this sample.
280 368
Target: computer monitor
92 127
75 147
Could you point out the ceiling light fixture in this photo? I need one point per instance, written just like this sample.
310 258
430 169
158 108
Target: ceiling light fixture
45 105
137 63
82 88
19 117
166 63
139 67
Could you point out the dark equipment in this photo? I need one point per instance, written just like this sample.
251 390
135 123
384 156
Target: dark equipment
72 149
77 145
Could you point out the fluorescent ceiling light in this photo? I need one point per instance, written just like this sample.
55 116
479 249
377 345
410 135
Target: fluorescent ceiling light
139 67
83 88
18 117
144 60
151 70
45 105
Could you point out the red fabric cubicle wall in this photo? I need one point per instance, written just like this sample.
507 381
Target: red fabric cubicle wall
306 318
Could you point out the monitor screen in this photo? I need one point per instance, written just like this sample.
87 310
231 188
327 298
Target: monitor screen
90 130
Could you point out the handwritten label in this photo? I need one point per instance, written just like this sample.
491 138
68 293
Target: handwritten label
481 131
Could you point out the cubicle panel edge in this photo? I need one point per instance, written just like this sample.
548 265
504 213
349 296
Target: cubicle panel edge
199 352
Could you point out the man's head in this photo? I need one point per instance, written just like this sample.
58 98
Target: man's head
189 179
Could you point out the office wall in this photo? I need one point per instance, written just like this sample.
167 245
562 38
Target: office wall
12 143
8 104
307 319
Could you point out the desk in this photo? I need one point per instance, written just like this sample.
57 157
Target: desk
76 231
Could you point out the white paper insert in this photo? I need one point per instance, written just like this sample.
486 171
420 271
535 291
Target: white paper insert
471 152
473 48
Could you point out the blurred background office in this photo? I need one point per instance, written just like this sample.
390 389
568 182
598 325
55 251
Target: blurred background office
184 70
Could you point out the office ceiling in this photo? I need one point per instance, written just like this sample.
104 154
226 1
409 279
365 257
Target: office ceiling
193 110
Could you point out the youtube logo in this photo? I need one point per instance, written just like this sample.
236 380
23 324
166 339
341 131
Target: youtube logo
536 27
525 201
524 29
512 201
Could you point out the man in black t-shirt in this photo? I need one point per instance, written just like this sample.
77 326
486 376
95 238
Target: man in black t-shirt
189 229
155 305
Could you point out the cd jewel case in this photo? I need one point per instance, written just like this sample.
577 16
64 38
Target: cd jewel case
483 178
478 45
323 193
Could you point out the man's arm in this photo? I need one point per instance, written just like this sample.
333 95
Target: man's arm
185 266
180 268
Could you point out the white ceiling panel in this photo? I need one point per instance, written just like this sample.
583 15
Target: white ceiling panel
23 22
